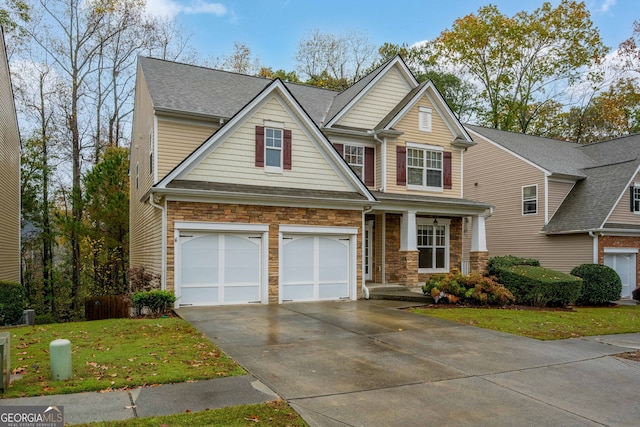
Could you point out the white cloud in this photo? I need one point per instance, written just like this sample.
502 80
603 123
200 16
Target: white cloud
606 5
171 8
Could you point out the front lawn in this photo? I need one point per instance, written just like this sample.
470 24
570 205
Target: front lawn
545 324
115 354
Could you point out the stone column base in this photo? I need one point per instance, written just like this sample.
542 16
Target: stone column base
478 262
408 268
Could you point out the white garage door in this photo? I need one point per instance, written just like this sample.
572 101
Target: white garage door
625 265
218 268
315 268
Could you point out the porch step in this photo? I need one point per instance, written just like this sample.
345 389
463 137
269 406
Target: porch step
398 293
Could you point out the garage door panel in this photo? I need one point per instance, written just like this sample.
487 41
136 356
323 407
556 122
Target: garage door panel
219 268
242 260
334 259
315 268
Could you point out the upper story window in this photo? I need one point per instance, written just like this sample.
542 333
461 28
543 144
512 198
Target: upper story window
635 198
530 199
424 168
354 156
137 176
424 119
360 159
273 147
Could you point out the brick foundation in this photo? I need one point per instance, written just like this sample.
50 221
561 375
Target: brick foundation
478 262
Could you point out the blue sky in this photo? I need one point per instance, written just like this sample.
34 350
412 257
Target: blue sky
273 28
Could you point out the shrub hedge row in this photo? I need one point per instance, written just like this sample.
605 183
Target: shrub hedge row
540 287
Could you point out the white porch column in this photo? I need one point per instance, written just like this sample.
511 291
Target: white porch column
408 232
478 234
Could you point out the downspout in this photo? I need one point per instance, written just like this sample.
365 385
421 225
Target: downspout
163 278
595 246
365 290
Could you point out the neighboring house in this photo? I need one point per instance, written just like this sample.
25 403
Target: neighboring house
562 203
9 176
245 189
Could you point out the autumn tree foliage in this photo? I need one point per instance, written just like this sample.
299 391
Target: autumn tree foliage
521 62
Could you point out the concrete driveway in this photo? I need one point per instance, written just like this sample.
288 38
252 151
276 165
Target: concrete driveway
368 363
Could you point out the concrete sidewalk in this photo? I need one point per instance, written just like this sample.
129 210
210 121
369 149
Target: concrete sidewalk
153 401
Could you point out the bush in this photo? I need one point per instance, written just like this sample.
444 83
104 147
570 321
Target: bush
636 294
473 289
45 319
155 301
504 262
540 287
600 284
142 280
12 300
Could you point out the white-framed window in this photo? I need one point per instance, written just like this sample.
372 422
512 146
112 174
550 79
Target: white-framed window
424 167
273 148
635 198
424 119
354 156
433 245
151 146
137 175
530 199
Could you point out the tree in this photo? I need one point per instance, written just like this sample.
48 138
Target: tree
281 74
241 61
629 50
522 62
334 61
107 220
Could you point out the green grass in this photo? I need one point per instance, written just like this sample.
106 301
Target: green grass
545 324
276 413
115 354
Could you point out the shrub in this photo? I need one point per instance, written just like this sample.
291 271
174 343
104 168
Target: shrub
156 301
142 280
12 300
600 284
44 319
504 262
636 294
540 287
473 289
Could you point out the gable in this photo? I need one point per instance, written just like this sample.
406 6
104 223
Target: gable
377 102
233 161
621 213
409 124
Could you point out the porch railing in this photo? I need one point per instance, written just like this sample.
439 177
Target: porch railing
466 267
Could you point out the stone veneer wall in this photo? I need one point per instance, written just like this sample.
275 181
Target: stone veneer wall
393 268
272 215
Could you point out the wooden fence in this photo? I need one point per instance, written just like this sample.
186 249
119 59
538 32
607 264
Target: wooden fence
106 307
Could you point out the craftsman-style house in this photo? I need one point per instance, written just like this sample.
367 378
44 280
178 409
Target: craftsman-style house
250 190
563 203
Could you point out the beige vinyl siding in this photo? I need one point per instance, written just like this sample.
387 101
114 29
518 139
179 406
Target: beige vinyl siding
622 214
378 102
177 139
557 190
234 160
145 221
440 135
9 176
495 176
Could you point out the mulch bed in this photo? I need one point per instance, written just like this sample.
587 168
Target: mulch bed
632 355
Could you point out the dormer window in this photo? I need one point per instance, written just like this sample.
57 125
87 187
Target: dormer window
354 156
635 198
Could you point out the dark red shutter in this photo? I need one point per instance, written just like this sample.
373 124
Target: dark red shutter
446 170
260 146
401 165
369 166
286 148
339 149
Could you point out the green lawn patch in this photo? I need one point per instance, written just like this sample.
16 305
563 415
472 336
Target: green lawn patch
115 354
276 413
545 324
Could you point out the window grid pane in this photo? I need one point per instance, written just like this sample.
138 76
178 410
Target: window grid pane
273 138
273 147
424 167
354 156
529 200
636 199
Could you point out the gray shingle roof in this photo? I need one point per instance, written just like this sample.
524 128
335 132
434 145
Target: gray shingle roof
602 169
183 88
557 157
433 200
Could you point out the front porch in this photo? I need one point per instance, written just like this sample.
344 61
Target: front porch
410 238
